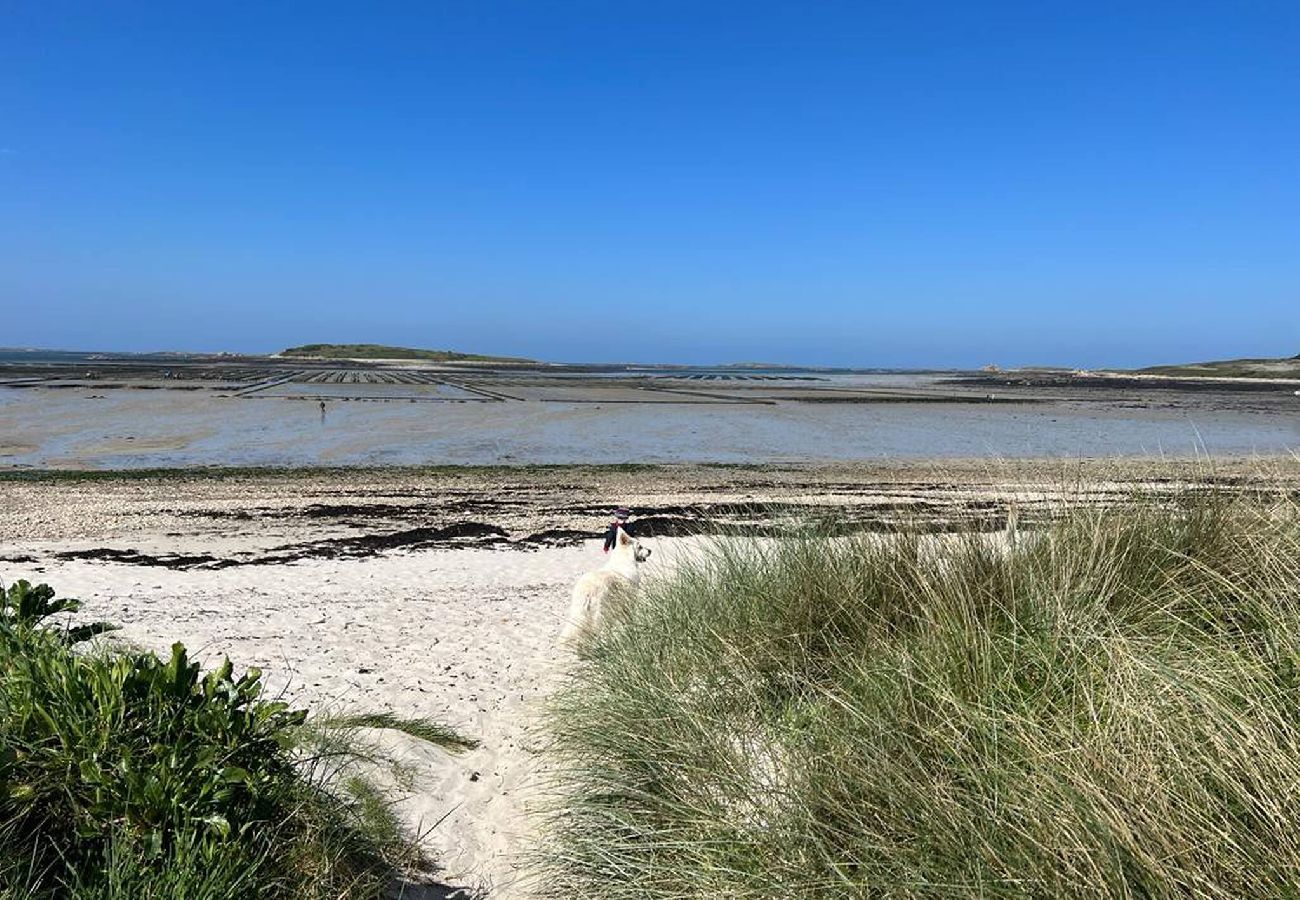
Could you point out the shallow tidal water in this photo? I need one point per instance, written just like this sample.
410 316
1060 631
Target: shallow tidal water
89 427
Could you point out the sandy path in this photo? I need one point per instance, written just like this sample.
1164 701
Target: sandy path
464 636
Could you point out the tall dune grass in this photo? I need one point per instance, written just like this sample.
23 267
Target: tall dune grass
1109 708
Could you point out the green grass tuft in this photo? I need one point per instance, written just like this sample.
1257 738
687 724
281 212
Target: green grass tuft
421 729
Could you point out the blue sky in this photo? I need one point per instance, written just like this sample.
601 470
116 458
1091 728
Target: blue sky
871 184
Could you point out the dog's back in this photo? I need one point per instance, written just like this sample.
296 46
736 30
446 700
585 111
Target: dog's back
607 587
593 596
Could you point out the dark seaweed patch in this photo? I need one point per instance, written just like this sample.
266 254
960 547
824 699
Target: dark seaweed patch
557 537
135 558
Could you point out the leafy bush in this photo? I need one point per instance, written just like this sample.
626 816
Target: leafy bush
124 776
1110 708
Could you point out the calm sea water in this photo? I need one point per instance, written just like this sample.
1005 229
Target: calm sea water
90 427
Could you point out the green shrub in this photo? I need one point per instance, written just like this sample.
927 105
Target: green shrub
124 776
1110 708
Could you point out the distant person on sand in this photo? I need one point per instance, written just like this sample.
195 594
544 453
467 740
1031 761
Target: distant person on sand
322 410
621 515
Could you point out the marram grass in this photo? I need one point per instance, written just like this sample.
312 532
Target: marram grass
1107 709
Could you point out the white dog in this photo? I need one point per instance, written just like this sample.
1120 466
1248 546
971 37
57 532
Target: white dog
617 580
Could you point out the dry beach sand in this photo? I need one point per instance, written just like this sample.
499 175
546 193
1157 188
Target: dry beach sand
441 592
462 636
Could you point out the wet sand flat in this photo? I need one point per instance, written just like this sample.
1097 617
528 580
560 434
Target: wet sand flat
133 413
87 425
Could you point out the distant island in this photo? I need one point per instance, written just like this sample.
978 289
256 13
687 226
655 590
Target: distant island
381 351
1231 368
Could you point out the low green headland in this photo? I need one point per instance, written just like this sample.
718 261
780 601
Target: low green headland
1109 708
1232 368
127 777
380 351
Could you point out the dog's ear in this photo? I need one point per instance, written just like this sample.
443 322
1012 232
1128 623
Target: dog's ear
623 539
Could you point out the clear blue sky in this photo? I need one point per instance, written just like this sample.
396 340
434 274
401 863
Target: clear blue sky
857 183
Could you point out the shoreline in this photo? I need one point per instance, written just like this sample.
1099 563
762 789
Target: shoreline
19 473
226 518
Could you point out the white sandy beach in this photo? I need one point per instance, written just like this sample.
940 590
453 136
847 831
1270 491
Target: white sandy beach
466 637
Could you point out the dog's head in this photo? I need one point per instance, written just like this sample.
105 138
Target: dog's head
630 544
